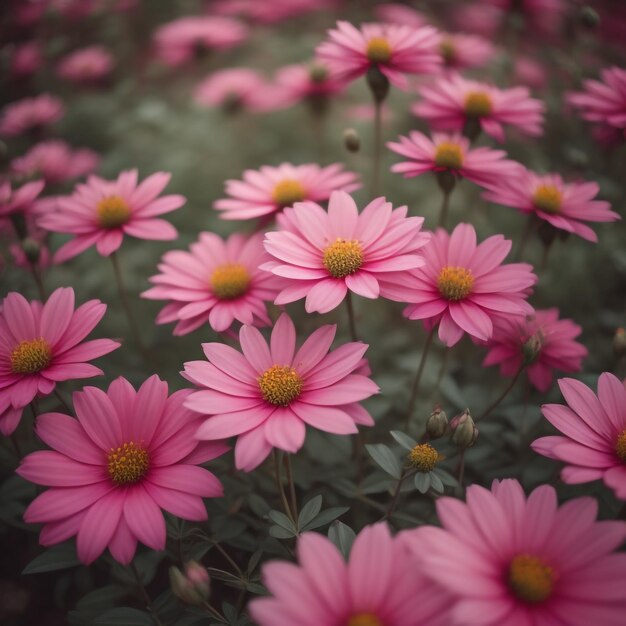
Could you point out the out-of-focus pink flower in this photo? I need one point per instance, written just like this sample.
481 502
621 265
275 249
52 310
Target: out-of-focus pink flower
19 200
563 205
30 114
270 11
111 471
366 112
26 59
477 18
540 343
529 72
86 65
543 16
460 51
593 445
312 83
100 212
233 89
396 13
269 394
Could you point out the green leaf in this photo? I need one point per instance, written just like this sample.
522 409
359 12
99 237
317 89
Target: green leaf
408 443
422 481
124 616
309 511
342 536
436 483
282 520
282 533
385 458
325 517
56 558
445 478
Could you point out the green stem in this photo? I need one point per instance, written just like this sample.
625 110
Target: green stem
214 612
279 486
351 317
418 376
292 486
461 470
501 397
528 230
445 205
395 497
60 398
146 596
378 145
229 559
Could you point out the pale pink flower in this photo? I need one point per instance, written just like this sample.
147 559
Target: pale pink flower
540 343
451 153
394 49
218 281
563 205
101 212
55 161
19 200
111 471
269 394
522 561
26 59
528 71
460 51
593 445
464 286
30 114
307 82
396 13
233 89
453 102
267 191
86 65
41 345
324 254
378 586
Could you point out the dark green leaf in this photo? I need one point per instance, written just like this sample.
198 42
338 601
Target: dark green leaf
124 616
309 511
56 558
342 536
325 517
385 458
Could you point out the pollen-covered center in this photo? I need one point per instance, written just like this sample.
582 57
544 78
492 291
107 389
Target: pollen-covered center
455 283
113 211
478 104
128 463
343 257
280 385
530 578
548 198
449 155
364 619
229 281
287 192
30 356
423 457
378 50
620 446
447 51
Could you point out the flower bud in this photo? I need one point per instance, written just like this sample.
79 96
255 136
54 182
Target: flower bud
192 587
437 423
589 17
378 83
464 431
318 73
619 342
31 249
351 140
531 349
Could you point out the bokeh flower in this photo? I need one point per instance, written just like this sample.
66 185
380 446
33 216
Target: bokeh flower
460 51
30 114
232 89
19 200
26 59
87 65
312 83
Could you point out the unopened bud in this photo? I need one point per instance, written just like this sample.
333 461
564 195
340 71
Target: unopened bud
437 423
192 586
378 83
532 348
446 181
351 140
464 431
619 341
31 249
589 17
318 73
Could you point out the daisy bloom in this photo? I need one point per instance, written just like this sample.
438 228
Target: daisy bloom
30 114
267 395
463 285
521 561
19 200
101 212
455 103
393 49
378 586
460 51
218 281
267 191
232 89
308 82
540 343
451 153
565 206
325 254
26 59
593 445
86 65
111 471
41 345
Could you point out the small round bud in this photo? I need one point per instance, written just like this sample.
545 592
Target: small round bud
619 341
318 73
532 348
378 83
31 249
464 431
589 17
351 140
192 586
446 181
437 423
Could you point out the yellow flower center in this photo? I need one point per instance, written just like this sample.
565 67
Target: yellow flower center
287 192
113 211
31 356
530 579
449 155
423 457
378 50
548 198
364 619
477 104
229 281
343 257
447 51
620 446
455 283
280 385
128 463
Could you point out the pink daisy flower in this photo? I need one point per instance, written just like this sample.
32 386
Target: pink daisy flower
395 50
455 103
269 394
111 471
20 200
528 71
312 83
540 343
217 281
378 586
30 114
541 15
563 205
519 561
86 65
232 89
396 13
101 212
26 59
451 153
325 254
460 51
267 191
594 427
41 345
464 286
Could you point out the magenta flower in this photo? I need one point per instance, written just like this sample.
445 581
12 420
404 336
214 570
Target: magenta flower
395 50
324 254
41 345
269 394
269 190
216 281
312 82
463 286
378 586
451 153
101 212
563 205
20 200
519 561
540 342
30 114
453 103
460 51
233 89
594 427
87 65
26 59
127 456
